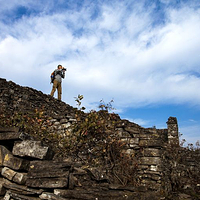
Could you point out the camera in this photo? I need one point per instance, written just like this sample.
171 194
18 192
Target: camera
64 69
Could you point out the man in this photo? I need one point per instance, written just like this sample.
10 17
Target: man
59 74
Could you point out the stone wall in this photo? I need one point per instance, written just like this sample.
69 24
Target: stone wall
163 166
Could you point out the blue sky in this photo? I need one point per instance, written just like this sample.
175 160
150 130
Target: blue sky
143 54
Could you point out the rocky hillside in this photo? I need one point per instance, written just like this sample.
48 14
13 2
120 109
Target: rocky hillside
50 150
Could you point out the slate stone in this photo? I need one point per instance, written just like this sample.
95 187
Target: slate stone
21 189
40 169
15 163
13 136
2 188
51 196
47 182
11 175
33 149
11 196
150 160
151 152
150 143
48 174
9 129
3 152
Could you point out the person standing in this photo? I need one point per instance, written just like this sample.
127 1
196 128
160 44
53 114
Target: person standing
59 73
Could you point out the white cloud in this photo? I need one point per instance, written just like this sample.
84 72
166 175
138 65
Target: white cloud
141 122
119 55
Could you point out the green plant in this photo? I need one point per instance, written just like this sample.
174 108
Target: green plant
98 144
79 102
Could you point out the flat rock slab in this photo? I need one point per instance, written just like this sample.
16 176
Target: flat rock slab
11 195
47 195
8 160
13 176
9 129
150 160
20 189
15 163
2 188
92 194
33 149
150 143
13 136
3 152
47 169
47 182
48 174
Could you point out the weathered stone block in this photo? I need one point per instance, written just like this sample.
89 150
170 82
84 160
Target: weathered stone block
2 188
48 174
13 136
63 121
20 178
151 152
133 142
14 176
8 173
33 149
3 152
132 130
21 189
15 163
11 196
149 136
9 129
65 126
74 194
47 182
47 195
150 161
40 169
150 143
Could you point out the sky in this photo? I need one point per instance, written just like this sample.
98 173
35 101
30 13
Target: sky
144 55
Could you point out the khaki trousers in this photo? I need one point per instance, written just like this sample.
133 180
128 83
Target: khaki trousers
56 85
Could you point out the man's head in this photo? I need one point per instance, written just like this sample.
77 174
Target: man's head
60 67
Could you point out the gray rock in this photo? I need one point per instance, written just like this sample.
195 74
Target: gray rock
2 188
8 160
11 196
47 195
21 189
13 176
150 160
33 149
47 182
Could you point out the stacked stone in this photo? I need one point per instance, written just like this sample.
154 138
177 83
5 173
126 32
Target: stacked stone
15 98
150 160
61 125
29 173
23 160
173 137
147 144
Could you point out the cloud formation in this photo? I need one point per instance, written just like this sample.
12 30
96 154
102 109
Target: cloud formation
114 50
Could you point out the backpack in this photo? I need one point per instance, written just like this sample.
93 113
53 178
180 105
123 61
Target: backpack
52 76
